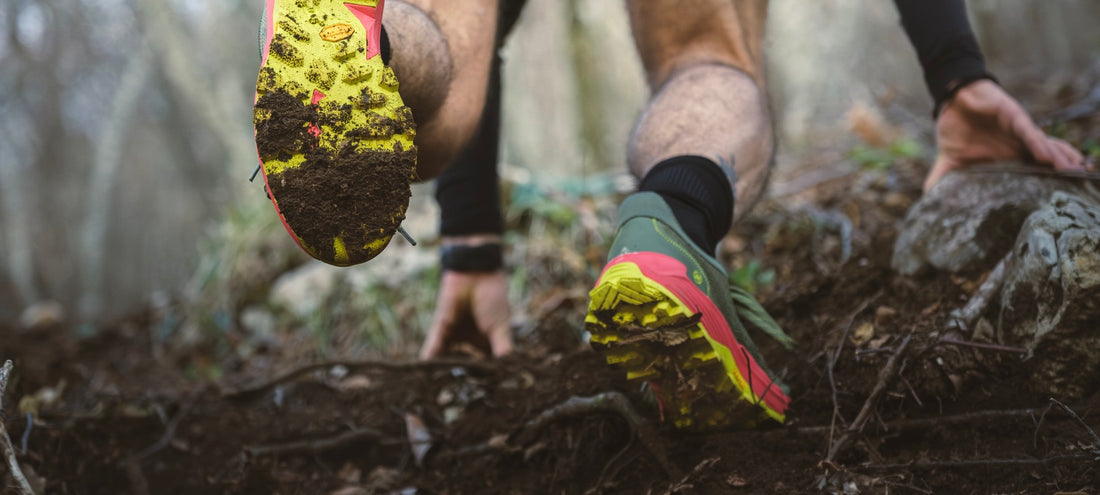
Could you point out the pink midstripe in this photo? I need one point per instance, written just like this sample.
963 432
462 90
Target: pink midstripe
371 19
672 274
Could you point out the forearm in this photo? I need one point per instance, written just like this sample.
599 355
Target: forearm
948 52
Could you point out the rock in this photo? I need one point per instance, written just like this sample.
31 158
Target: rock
303 290
42 315
968 221
1050 301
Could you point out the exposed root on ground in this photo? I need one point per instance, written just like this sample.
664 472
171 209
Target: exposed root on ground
315 446
256 391
21 484
607 402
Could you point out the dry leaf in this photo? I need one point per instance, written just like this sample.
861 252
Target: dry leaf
419 437
863 333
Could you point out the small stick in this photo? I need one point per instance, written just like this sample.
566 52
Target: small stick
401 230
21 484
169 432
968 463
950 339
884 377
605 402
254 391
923 423
836 357
315 446
1092 433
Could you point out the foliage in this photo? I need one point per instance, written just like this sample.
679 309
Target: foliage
752 276
878 158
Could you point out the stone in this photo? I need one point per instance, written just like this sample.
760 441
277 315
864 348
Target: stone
1050 300
968 221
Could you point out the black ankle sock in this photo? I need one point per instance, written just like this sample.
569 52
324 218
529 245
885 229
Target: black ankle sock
700 195
384 46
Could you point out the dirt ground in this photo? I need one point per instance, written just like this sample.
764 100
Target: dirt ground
948 418
885 398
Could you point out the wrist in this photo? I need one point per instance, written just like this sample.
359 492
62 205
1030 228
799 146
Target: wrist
477 253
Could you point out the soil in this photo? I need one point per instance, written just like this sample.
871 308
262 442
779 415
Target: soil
329 191
954 418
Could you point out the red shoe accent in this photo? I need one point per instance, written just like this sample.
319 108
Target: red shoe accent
371 19
672 274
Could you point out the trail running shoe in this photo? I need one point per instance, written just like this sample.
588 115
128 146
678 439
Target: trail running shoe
664 311
333 136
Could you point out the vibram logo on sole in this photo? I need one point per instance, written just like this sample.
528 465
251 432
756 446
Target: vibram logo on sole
336 32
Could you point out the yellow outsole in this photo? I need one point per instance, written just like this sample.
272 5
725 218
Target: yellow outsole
645 330
356 116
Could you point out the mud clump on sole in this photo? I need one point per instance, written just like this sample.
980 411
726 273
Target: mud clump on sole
325 194
282 125
359 195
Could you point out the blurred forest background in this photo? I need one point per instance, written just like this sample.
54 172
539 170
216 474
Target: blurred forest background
126 142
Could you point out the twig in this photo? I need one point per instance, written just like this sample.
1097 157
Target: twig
950 339
884 377
836 357
255 391
968 463
699 468
605 402
169 432
924 423
315 446
132 464
21 484
1091 432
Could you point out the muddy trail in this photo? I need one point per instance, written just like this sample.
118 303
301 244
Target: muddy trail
886 398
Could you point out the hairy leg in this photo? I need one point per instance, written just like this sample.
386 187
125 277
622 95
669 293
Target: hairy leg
703 63
441 52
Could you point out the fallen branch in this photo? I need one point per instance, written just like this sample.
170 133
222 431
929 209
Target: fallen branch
888 372
21 484
253 392
315 446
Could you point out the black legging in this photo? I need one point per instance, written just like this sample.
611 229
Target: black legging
468 191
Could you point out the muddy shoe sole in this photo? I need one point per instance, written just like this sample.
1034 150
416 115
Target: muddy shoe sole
334 138
642 321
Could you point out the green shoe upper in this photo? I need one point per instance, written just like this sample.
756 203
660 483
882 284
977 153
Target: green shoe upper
647 224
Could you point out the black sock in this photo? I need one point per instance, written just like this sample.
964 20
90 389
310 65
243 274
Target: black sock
700 195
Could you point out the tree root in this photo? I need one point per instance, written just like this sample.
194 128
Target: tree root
21 484
252 392
315 446
606 402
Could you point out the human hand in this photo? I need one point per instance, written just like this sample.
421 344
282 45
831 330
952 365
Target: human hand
471 306
983 123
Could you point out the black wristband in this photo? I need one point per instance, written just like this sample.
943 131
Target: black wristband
487 257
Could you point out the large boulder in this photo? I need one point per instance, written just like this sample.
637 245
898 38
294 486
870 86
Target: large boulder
967 222
1050 300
